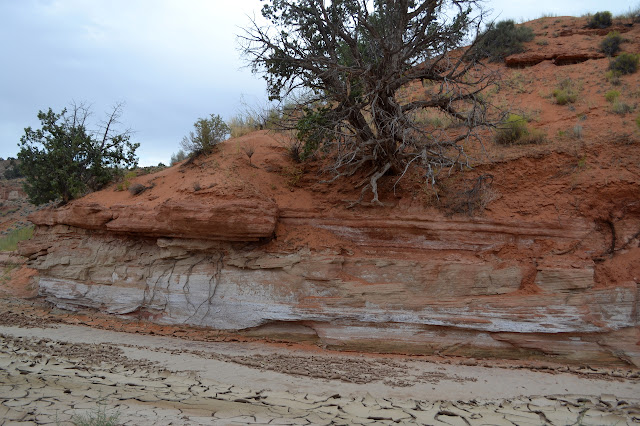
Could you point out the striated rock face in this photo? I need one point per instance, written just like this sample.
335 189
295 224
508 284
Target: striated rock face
475 287
227 220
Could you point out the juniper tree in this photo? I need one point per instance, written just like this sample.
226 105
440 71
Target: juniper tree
350 59
65 158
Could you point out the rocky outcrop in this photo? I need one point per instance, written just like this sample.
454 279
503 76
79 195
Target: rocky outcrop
226 220
529 59
409 284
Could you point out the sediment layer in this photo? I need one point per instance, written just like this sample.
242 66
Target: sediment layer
408 284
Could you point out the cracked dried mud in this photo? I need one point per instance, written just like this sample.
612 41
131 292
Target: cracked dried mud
52 371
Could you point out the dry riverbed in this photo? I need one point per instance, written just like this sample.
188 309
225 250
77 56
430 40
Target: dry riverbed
51 371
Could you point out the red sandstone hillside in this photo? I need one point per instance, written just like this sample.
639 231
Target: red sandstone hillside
548 257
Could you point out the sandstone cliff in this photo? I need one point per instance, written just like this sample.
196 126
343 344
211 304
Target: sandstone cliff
549 266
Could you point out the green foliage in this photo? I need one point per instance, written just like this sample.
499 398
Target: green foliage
566 93
11 240
311 129
178 157
13 171
126 180
64 160
501 40
345 63
625 63
611 43
638 121
208 133
611 96
600 20
613 77
515 131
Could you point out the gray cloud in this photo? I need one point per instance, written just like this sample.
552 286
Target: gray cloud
170 61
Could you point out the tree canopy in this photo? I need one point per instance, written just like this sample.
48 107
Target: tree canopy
347 60
64 158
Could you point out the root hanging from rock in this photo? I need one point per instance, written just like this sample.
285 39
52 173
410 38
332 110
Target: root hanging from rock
373 186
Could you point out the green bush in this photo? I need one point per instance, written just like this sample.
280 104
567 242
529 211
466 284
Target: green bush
625 63
208 133
515 131
613 77
64 159
501 40
611 96
11 240
600 20
313 129
638 121
178 157
13 171
566 93
611 43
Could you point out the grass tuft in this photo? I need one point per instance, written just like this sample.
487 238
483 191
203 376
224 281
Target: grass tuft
515 131
96 417
10 241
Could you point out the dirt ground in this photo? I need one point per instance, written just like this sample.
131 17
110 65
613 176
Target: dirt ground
52 371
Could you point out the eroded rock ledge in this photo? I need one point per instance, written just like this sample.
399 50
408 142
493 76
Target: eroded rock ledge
226 220
529 59
408 284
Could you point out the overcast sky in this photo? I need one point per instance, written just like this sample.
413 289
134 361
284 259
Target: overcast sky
169 61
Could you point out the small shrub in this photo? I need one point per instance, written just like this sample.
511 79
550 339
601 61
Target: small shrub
249 150
294 150
582 162
137 188
475 198
566 93
196 186
501 40
625 63
208 133
600 20
178 157
578 131
613 77
292 174
515 131
611 43
632 14
611 96
621 108
638 121
313 129
96 417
